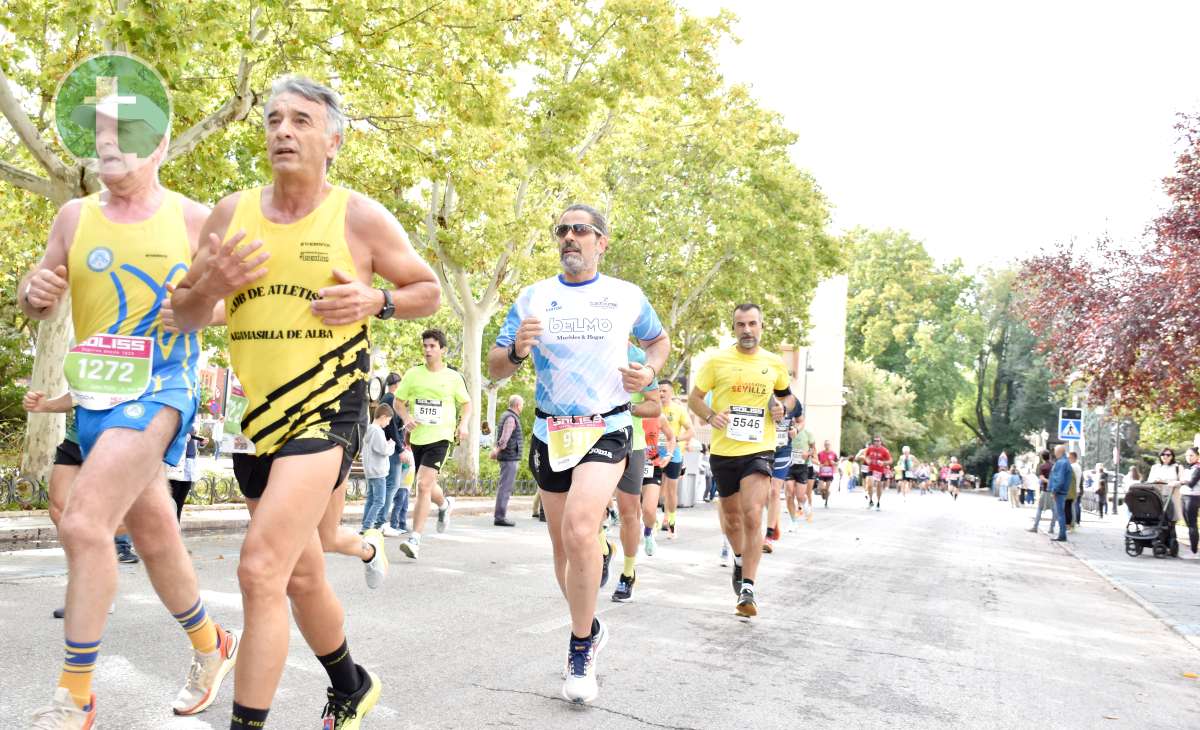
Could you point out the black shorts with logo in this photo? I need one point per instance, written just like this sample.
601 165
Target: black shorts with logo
68 454
611 448
430 455
729 470
655 478
253 472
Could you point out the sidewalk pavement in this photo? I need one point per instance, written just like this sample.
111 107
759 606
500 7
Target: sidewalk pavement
33 528
1168 588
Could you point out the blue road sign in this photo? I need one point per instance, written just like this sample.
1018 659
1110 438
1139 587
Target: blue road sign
1070 424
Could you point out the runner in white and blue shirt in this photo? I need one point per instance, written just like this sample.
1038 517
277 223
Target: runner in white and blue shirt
576 326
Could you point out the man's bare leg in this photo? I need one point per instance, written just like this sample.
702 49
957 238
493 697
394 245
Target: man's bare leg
336 537
427 491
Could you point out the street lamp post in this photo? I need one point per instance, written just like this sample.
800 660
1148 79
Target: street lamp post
808 368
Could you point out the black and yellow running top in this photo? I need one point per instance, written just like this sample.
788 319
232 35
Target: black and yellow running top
300 375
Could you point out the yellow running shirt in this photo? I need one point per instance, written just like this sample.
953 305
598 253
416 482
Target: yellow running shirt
300 375
742 385
118 278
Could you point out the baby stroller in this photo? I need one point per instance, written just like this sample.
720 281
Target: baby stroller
1151 522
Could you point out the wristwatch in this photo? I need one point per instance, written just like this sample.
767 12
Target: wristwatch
389 307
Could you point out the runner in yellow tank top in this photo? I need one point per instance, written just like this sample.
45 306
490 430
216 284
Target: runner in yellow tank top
294 263
117 252
742 380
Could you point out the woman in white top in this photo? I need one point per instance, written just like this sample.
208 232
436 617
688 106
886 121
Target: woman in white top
1189 488
1167 471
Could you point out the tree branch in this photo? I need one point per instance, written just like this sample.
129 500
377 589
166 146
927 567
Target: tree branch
27 133
28 181
235 109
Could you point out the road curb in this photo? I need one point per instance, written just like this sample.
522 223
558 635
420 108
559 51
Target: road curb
18 538
1180 629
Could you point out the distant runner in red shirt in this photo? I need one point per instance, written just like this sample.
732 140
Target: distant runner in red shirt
877 458
827 460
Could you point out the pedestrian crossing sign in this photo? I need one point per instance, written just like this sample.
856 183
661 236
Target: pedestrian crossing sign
1070 424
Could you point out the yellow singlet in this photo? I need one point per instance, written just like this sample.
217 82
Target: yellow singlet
743 384
300 375
118 274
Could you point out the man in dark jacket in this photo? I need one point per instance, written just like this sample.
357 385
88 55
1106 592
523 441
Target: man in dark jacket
508 452
1060 483
396 499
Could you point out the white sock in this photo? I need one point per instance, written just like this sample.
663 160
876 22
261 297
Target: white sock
415 536
737 560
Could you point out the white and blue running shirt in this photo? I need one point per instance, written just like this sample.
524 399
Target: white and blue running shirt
585 339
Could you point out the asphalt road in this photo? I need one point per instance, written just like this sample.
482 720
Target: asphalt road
928 614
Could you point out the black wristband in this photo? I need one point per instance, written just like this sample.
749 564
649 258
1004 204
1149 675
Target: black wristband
513 357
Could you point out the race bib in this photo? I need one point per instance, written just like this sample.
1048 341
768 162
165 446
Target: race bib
571 437
233 441
427 412
781 437
105 371
746 424
648 470
827 471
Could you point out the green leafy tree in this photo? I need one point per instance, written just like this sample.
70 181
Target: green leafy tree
877 402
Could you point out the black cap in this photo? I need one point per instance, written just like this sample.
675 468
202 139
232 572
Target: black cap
392 379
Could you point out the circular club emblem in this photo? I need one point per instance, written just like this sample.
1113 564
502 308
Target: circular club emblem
99 258
134 410
111 112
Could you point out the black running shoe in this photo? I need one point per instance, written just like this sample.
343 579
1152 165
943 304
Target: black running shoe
125 554
746 605
624 590
737 579
346 712
607 560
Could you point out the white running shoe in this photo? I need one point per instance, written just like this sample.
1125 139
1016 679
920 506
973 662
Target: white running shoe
411 547
206 674
389 531
648 544
62 714
444 513
580 685
377 567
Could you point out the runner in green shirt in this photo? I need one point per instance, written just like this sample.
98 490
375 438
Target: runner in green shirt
801 474
426 402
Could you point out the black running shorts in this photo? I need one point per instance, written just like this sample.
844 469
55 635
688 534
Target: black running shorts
631 479
800 473
430 455
612 448
68 454
253 472
673 469
730 470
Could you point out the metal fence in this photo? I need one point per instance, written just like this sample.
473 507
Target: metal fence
20 492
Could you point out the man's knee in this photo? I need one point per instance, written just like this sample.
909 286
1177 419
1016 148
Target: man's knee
578 533
80 533
260 574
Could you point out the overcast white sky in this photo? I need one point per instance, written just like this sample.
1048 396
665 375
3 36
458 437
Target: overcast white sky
986 129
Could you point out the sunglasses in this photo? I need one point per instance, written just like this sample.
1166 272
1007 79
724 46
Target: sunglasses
560 230
1167 453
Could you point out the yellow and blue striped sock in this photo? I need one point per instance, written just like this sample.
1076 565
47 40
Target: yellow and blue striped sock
199 627
77 670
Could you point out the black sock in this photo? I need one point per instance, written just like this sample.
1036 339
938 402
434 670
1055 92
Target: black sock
247 717
575 638
342 671
595 626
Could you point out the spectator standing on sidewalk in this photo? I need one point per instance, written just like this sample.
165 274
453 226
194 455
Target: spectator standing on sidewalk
1075 492
1014 486
1168 471
508 453
396 498
1044 499
1100 483
1061 476
184 477
376 454
1189 488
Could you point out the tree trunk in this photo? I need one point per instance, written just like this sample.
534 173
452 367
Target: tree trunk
475 316
43 432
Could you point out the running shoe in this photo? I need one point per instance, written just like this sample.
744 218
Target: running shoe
444 513
62 714
725 555
648 544
767 548
580 685
737 579
877 506
607 560
411 547
377 567
746 605
389 531
662 526
671 530
624 590
870 503
346 711
206 674
125 554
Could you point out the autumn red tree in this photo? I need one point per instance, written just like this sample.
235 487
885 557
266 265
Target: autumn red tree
1128 319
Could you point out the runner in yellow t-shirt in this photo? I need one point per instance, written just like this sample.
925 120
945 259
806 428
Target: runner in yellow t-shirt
742 380
681 426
